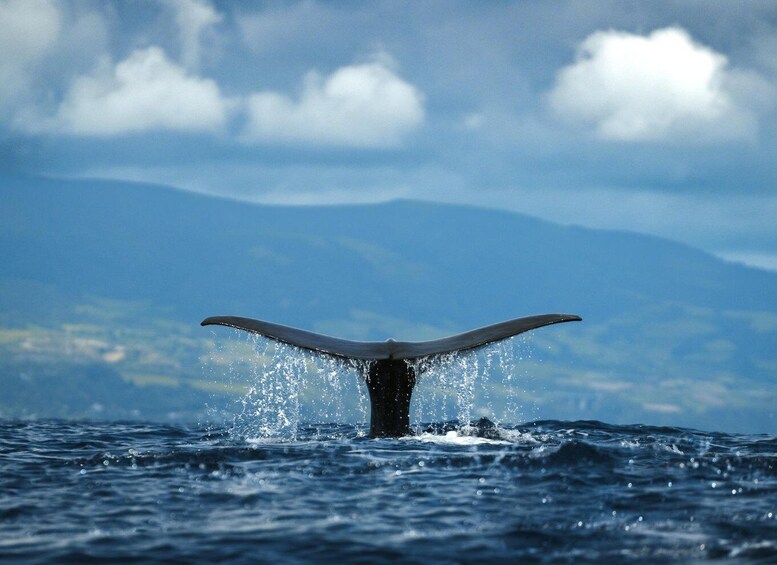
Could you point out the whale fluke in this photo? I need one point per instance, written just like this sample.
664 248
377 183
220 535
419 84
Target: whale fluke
391 377
390 349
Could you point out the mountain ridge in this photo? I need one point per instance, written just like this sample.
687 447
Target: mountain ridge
105 254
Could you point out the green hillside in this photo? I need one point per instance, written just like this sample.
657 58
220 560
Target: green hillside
103 284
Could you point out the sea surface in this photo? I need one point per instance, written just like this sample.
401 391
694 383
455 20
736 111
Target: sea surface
79 492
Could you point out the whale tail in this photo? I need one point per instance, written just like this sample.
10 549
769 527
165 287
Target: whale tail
391 377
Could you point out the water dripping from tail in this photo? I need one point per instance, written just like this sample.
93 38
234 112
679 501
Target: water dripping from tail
277 389
474 392
275 396
274 390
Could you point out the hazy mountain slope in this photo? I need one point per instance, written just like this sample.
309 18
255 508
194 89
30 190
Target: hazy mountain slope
667 328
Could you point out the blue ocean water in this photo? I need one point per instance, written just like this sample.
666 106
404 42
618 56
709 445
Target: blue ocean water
543 491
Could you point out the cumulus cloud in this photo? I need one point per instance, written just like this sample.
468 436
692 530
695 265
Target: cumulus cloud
28 30
144 92
193 18
362 105
660 86
766 261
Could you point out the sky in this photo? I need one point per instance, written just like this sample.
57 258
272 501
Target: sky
654 117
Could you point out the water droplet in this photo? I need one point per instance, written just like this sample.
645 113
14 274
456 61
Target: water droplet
105 462
580 524
629 485
421 463
82 472
713 484
481 480
397 472
669 484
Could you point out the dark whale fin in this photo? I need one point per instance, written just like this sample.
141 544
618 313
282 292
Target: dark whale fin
389 377
390 349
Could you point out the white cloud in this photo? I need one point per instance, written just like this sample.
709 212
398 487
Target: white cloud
767 261
660 86
144 92
28 30
473 121
364 105
193 18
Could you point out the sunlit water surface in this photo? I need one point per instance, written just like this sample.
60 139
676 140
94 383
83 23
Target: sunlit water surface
76 491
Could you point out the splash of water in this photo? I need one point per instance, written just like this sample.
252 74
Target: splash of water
489 382
445 381
277 388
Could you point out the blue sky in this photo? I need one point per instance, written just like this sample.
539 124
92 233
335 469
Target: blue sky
656 117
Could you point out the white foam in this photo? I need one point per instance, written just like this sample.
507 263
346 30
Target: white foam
454 438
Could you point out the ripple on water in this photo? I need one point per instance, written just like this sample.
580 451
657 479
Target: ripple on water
543 491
